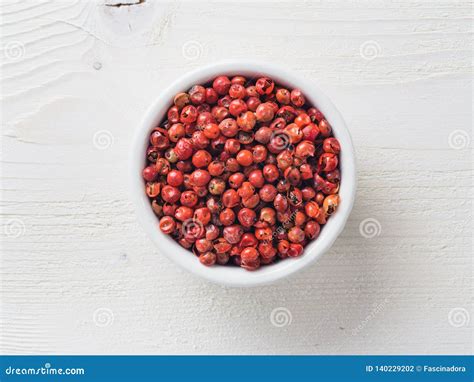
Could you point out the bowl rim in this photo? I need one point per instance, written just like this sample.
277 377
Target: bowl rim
235 276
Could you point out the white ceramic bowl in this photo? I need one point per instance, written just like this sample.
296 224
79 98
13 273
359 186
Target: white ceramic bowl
236 276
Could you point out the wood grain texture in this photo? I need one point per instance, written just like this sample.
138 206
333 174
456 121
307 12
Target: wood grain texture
80 277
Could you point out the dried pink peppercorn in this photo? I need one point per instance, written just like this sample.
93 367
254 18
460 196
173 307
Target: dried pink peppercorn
242 172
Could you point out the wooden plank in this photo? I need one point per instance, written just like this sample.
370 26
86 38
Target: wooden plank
80 277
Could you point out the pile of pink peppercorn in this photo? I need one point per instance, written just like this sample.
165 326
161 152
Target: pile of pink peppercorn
242 172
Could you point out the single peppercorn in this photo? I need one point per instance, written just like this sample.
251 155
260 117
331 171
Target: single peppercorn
244 158
150 173
324 128
183 148
175 178
233 233
311 230
247 217
297 98
189 198
221 85
264 112
167 224
181 100
197 94
208 258
328 162
249 254
246 121
228 127
263 134
270 173
153 189
330 204
216 186
200 177
227 216
201 158
183 213
230 198
268 193
283 96
331 145
232 146
188 114
170 194
237 90
237 107
251 201
264 85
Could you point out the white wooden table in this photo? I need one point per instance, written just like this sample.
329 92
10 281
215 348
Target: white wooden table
79 276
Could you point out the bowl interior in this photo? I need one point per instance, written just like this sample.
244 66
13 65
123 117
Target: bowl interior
236 276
